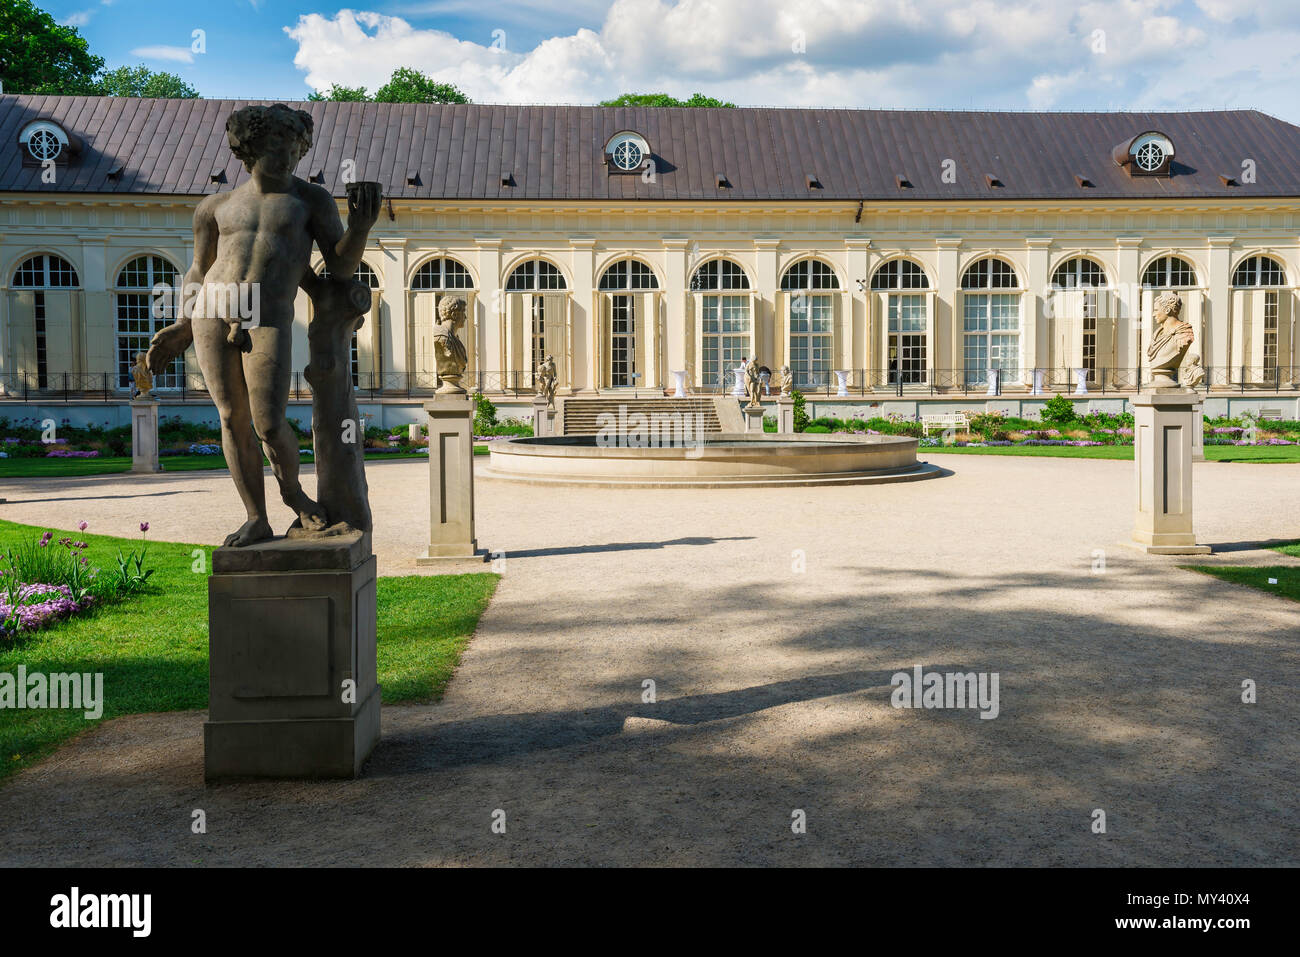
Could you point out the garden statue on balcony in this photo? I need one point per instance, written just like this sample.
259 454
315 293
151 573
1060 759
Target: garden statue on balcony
252 251
143 378
546 377
754 383
448 351
787 380
1170 340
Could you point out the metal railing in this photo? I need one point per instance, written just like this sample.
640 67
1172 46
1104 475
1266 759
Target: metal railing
109 387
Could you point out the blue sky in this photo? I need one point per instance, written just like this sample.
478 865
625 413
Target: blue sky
1012 54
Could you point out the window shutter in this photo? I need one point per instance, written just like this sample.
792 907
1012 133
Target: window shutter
1106 312
58 333
22 325
694 326
1066 345
1144 333
781 343
422 360
1285 338
1256 350
643 323
931 339
555 332
880 349
1193 303
471 336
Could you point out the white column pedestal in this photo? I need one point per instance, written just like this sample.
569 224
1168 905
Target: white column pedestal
451 479
842 376
679 378
144 435
1164 425
1080 381
785 415
543 418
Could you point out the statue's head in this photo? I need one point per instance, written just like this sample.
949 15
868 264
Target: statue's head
274 137
139 358
451 311
1168 304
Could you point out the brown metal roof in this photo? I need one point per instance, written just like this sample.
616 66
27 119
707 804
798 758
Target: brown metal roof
172 147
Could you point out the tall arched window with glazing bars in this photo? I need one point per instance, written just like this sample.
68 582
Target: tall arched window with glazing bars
145 295
723 307
905 303
41 311
434 280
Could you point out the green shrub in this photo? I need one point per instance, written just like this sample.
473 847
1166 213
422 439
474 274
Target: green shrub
800 411
485 415
818 429
1059 411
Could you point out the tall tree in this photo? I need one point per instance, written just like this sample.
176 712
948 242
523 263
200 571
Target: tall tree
663 99
348 94
141 81
404 86
37 55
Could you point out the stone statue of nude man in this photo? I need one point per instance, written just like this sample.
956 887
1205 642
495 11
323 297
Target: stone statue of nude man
258 239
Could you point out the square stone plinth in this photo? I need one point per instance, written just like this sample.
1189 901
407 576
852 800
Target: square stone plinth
144 436
451 480
1165 422
293 689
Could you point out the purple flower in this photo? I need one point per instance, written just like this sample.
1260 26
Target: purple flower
82 526
144 526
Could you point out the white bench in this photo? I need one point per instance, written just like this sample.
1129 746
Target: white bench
944 420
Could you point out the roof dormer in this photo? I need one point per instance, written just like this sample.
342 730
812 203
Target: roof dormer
1147 154
626 152
43 141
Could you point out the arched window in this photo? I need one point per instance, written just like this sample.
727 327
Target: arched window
535 274
900 274
39 273
811 316
136 319
908 317
990 320
431 282
1266 310
1079 273
366 275
442 274
719 274
725 324
1256 271
625 317
1078 311
1169 272
628 274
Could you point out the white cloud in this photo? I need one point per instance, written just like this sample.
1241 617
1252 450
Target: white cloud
175 54
79 19
1012 54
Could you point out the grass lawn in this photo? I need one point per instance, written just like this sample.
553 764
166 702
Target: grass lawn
153 648
35 468
1287 576
1213 453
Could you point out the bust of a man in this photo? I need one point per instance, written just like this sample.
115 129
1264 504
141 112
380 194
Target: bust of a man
787 379
1170 340
448 351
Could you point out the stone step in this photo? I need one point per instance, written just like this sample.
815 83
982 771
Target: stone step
581 416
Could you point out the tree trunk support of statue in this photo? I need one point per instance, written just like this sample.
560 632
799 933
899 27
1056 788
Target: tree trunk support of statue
1165 421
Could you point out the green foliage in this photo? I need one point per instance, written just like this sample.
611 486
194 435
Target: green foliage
141 81
1059 411
801 419
38 55
406 85
663 99
485 414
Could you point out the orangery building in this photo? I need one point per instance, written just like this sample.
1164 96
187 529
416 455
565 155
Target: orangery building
893 259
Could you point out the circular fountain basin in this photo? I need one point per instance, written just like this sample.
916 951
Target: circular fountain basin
737 460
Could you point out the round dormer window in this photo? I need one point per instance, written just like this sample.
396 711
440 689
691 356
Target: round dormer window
627 155
43 140
44 145
1150 156
627 152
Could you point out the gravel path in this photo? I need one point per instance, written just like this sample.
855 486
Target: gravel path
1119 690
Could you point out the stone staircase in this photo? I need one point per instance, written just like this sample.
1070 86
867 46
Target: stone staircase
579 416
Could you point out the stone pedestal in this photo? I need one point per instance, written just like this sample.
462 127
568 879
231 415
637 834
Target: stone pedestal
993 382
785 415
543 418
451 479
1164 424
1198 433
413 432
679 380
291 647
753 418
1038 382
1080 381
738 389
144 435
842 379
